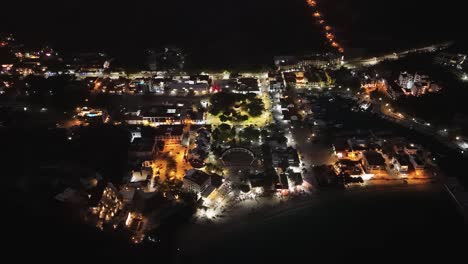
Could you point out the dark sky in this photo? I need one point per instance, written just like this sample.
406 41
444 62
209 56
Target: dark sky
227 32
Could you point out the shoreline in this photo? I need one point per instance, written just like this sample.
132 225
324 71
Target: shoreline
208 232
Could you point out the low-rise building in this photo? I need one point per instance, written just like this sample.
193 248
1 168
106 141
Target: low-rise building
341 148
246 86
142 148
416 84
198 88
155 116
417 163
402 163
196 181
162 115
170 133
351 167
411 149
109 206
283 157
373 162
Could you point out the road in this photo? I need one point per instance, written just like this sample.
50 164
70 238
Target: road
386 111
363 62
300 137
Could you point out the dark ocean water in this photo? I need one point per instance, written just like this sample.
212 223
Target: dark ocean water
230 33
421 224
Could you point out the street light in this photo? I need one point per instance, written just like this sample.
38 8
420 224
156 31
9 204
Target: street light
457 138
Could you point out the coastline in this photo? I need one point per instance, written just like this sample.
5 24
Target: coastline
418 199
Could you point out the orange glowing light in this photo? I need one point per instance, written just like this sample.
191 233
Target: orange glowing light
327 28
311 3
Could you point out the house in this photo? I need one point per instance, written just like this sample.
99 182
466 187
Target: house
341 148
401 163
417 163
373 162
295 178
411 149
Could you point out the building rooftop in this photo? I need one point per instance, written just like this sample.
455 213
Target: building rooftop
403 159
341 144
165 111
358 144
142 145
374 158
169 130
196 176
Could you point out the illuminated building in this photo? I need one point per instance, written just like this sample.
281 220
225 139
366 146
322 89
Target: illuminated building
196 181
87 63
341 148
319 61
170 134
356 148
247 85
416 85
353 168
155 116
198 88
109 206
452 60
198 155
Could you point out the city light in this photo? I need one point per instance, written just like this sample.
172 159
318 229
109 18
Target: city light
326 28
